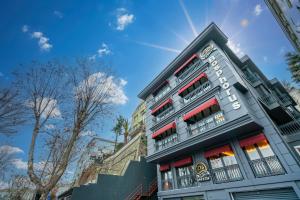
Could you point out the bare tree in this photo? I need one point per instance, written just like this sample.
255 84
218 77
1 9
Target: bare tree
10 111
20 188
63 102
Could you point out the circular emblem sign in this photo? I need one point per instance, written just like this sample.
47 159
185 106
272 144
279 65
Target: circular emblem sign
207 51
201 167
202 173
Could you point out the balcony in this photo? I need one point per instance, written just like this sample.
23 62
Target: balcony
163 114
166 142
268 99
227 174
252 78
196 93
285 99
268 166
207 123
188 71
161 94
290 128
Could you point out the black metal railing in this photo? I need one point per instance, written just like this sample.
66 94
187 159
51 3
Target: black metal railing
200 90
163 114
227 174
166 142
268 99
290 128
251 77
268 166
188 180
188 71
161 94
207 123
285 99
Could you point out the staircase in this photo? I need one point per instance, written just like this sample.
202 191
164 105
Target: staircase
141 192
138 180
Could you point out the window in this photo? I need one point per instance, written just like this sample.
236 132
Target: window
195 88
185 176
261 157
297 148
165 136
161 90
167 180
205 117
223 165
191 65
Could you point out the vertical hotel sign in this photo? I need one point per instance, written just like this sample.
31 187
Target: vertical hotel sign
206 54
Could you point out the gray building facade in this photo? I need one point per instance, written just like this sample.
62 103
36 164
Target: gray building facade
217 128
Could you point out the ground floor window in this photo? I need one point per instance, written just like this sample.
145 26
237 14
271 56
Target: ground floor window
167 180
261 157
185 176
223 164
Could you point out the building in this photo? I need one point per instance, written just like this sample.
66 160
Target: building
218 129
138 120
287 14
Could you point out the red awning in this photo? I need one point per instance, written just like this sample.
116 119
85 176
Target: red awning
185 63
202 75
200 108
183 162
163 129
252 140
217 151
160 86
160 106
163 168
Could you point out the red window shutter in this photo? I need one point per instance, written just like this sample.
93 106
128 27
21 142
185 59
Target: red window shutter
217 151
252 140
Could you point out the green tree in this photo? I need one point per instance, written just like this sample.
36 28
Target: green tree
293 61
125 125
117 129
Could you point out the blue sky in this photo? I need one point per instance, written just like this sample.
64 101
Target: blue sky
138 38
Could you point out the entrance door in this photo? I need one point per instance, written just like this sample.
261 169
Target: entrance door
278 194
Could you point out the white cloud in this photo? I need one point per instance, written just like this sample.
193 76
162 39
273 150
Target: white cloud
257 10
25 28
49 126
115 87
3 185
58 14
244 22
104 50
124 18
42 41
49 106
235 48
88 133
19 164
6 149
22 165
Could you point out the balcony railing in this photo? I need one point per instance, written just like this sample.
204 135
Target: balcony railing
166 142
207 123
163 114
251 77
268 99
227 174
268 166
196 93
290 128
161 94
167 184
285 99
191 69
188 180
